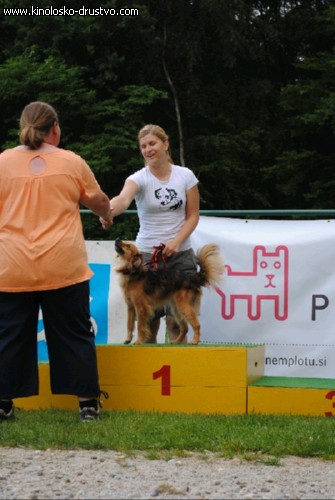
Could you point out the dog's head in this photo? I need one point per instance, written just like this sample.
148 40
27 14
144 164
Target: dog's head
129 256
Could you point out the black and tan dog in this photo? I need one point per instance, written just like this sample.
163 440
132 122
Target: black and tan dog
147 289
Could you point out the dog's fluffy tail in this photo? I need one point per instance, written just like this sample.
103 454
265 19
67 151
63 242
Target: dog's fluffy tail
211 264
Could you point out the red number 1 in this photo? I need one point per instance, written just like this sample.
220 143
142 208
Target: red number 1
165 374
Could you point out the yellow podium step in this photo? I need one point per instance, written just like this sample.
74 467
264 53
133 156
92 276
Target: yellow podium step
188 379
292 396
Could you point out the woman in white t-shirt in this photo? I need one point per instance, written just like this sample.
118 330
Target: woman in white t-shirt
167 201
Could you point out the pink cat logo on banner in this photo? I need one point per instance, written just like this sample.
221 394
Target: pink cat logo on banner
268 280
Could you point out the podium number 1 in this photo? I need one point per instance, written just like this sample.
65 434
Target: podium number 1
165 374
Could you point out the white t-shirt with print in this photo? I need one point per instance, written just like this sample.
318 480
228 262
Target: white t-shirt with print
161 206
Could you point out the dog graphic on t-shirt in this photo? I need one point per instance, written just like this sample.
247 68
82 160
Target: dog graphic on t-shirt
168 197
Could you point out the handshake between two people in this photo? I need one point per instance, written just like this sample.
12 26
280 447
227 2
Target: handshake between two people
106 223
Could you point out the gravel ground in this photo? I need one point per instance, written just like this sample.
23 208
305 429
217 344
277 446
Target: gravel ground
78 474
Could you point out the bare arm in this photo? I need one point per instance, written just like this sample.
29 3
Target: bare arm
191 221
99 204
121 202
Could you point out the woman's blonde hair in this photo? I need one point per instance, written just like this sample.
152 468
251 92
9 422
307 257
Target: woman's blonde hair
158 132
36 120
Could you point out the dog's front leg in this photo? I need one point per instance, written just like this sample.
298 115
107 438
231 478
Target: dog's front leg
131 316
143 330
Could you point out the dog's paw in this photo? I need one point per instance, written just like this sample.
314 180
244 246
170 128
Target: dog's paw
127 341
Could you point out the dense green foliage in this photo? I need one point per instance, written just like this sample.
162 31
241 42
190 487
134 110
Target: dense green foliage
245 89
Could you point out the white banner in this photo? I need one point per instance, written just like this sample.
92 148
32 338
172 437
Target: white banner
278 290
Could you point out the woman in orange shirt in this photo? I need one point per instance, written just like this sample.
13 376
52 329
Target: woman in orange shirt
44 264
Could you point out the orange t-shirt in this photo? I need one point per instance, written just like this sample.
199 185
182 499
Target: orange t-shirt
42 246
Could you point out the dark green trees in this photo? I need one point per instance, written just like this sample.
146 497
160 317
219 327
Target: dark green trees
244 88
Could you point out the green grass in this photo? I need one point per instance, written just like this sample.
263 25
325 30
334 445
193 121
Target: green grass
256 437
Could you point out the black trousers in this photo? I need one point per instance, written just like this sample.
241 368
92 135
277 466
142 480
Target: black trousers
69 336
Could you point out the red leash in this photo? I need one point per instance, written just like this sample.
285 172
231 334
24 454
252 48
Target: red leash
157 255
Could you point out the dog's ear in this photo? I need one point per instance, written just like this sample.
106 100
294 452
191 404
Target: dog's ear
137 260
172 192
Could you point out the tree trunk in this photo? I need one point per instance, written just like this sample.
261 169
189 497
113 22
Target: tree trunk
176 104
